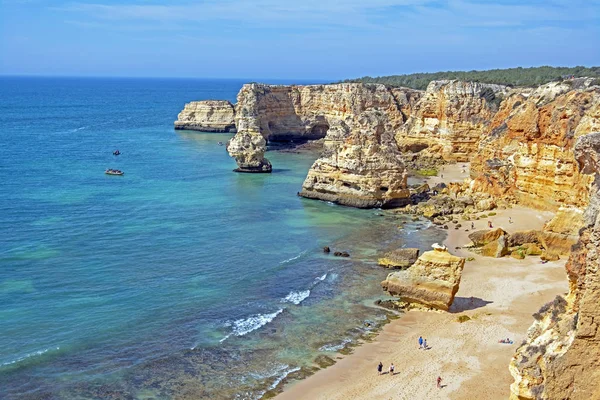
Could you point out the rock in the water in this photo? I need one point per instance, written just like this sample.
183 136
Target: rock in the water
400 258
207 116
326 249
432 281
341 254
279 113
483 237
361 165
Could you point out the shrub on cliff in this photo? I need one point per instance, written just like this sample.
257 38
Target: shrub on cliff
534 76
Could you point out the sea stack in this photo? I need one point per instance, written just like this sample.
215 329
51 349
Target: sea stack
207 116
361 165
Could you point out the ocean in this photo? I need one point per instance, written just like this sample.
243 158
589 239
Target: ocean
180 279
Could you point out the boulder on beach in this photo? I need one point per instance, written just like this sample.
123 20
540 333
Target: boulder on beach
498 248
432 280
519 238
400 258
483 237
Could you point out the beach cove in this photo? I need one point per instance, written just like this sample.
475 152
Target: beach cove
468 357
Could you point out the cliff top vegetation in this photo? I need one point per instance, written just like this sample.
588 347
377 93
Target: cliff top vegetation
534 76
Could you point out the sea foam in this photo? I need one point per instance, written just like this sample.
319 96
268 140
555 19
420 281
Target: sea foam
244 326
296 297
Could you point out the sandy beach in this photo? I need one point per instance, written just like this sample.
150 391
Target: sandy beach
499 295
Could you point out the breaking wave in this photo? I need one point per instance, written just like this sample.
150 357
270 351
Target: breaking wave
296 297
244 326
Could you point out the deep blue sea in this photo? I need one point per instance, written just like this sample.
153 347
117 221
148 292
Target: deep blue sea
180 279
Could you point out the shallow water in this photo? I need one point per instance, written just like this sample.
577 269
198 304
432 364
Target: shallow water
180 279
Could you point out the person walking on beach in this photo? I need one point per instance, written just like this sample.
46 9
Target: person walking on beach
392 369
425 344
472 225
439 382
420 342
490 224
380 368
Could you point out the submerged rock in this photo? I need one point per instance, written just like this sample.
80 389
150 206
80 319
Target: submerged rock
431 281
400 258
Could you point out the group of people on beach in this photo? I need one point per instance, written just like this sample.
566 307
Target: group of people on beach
422 345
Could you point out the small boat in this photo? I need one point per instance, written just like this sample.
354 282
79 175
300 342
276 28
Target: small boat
116 153
114 172
220 143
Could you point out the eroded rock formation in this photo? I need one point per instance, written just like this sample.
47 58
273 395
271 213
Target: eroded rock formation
207 116
450 118
299 113
527 152
560 358
399 258
432 281
361 165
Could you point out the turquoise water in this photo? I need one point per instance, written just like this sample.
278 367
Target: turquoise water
180 279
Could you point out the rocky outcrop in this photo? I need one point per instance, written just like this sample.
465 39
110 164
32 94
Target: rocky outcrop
526 154
399 258
450 119
432 281
560 358
361 165
207 116
300 113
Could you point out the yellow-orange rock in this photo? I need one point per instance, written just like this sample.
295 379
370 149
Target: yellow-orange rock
207 116
527 150
450 118
432 281
560 358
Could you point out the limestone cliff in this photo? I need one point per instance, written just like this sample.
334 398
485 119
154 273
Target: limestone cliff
561 357
450 118
361 165
526 154
269 113
207 116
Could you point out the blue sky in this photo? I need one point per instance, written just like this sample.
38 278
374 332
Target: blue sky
314 39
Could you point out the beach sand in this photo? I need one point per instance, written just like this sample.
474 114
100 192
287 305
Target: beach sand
468 357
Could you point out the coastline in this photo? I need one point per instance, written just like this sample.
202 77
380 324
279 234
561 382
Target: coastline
466 355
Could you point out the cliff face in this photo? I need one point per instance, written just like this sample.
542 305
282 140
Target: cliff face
361 165
207 116
561 357
450 118
283 113
527 151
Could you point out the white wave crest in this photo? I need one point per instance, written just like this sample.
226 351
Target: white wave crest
282 377
335 347
294 258
296 297
244 326
26 356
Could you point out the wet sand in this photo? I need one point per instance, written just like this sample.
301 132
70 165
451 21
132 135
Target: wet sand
499 295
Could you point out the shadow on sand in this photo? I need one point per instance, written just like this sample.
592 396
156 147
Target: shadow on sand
461 304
